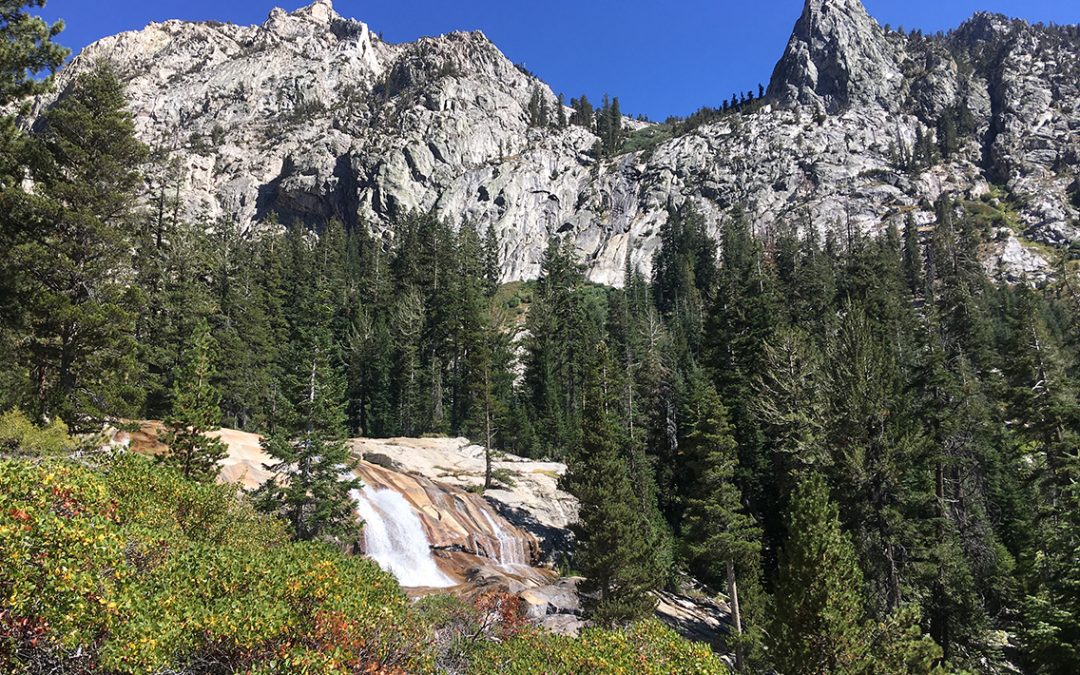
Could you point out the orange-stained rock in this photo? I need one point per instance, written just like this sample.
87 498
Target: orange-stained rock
456 521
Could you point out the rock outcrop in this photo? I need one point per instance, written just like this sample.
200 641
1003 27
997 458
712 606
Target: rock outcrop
465 531
526 492
476 549
311 116
838 57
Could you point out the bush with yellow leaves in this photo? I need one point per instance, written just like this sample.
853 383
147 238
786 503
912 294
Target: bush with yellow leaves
134 569
128 567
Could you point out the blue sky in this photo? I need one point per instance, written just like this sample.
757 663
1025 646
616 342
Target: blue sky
659 57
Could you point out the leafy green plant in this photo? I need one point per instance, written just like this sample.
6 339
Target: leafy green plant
18 435
647 648
140 570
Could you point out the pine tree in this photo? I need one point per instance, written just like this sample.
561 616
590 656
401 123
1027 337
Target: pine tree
313 480
172 263
1044 402
28 53
583 114
492 266
534 108
789 404
722 541
743 316
195 412
685 273
883 480
1051 628
913 258
819 611
611 552
250 328
27 63
965 552
947 133
557 348
73 271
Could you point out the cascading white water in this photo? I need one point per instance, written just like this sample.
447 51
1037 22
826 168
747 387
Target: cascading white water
394 538
511 549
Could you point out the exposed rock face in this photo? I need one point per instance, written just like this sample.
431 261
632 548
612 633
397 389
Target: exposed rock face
1032 80
465 530
455 520
838 56
527 495
311 116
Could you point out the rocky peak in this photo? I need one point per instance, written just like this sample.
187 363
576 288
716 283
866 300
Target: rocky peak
837 56
310 117
317 20
984 27
319 13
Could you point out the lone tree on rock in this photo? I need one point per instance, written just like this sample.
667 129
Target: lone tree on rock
313 478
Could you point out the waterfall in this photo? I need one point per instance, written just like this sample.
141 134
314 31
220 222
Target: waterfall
511 549
394 538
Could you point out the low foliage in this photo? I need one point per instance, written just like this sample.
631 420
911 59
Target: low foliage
131 568
19 435
644 648
134 569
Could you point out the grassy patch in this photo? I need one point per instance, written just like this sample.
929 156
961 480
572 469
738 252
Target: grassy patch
996 209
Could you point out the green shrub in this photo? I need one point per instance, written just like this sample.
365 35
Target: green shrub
20 436
145 571
645 648
61 561
646 139
130 568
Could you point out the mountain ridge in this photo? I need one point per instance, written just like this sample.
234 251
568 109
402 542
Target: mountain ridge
311 116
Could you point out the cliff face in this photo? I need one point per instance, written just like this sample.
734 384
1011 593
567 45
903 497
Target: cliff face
838 56
310 116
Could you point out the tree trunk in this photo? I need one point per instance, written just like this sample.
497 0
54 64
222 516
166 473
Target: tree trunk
736 613
488 440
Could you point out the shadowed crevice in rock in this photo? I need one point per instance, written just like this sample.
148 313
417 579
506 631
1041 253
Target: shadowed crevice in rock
697 619
555 542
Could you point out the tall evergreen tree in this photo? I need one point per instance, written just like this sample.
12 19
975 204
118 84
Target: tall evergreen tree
195 412
616 559
789 403
28 53
557 349
1044 403
876 464
313 480
722 540
744 315
913 258
818 621
74 272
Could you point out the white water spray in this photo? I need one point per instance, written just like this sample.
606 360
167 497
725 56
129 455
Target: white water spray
394 538
511 549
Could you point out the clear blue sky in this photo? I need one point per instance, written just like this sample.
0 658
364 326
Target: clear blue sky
659 58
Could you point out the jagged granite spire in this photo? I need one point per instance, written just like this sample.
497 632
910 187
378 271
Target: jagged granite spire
837 56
